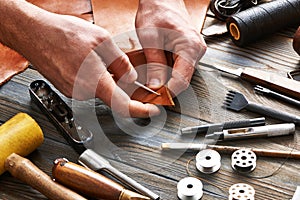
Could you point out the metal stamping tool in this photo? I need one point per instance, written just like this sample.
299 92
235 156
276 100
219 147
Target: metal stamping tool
189 188
226 125
237 101
60 114
208 161
241 191
254 132
94 161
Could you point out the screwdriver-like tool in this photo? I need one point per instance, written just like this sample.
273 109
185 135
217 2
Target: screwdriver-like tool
90 183
94 161
268 92
273 81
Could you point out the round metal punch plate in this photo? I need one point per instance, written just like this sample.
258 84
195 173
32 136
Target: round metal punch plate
241 191
189 188
208 161
243 161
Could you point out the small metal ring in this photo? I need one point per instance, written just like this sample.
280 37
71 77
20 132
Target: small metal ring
243 160
189 188
208 161
241 191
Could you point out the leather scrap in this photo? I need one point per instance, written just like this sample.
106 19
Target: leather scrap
164 99
137 58
78 8
11 63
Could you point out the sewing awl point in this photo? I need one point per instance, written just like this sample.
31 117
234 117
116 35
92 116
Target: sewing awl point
146 88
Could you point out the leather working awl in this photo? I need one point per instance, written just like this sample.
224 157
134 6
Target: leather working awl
91 183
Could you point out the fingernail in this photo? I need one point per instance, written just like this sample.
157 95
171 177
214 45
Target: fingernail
132 75
154 82
153 110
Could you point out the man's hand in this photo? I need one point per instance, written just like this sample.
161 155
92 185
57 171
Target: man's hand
72 54
165 25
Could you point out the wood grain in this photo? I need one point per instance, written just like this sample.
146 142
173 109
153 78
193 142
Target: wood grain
136 152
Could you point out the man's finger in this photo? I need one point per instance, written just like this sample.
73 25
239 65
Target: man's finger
116 61
181 76
157 69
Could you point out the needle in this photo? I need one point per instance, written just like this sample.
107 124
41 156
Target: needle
146 88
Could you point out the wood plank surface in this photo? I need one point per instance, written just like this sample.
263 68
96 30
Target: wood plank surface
135 150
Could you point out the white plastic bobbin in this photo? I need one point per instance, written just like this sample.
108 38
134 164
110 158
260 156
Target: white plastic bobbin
241 191
189 188
243 160
208 161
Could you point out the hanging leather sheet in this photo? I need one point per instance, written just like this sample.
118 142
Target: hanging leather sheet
118 17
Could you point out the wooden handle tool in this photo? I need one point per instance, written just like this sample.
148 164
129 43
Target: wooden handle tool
272 81
26 171
91 183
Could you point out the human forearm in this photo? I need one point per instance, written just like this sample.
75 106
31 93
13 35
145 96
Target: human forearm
18 18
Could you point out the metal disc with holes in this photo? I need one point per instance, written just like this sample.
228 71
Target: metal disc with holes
189 188
208 161
241 191
243 161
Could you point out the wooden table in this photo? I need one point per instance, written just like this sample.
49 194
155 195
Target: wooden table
137 152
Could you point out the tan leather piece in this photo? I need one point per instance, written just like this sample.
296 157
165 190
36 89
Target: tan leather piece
137 58
164 99
78 8
11 63
118 17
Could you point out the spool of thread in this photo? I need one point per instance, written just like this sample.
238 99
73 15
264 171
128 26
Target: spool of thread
251 24
20 135
241 191
208 161
189 188
243 161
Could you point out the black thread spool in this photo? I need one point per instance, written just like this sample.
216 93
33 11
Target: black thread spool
264 19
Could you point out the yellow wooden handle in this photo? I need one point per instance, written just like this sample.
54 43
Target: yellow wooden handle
21 135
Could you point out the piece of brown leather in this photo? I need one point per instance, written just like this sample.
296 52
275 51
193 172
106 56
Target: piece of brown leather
164 99
138 60
11 63
296 41
118 17
78 8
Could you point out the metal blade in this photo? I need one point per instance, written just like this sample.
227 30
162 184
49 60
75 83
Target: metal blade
233 71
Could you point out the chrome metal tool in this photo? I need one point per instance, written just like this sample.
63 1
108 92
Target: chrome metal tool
253 132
